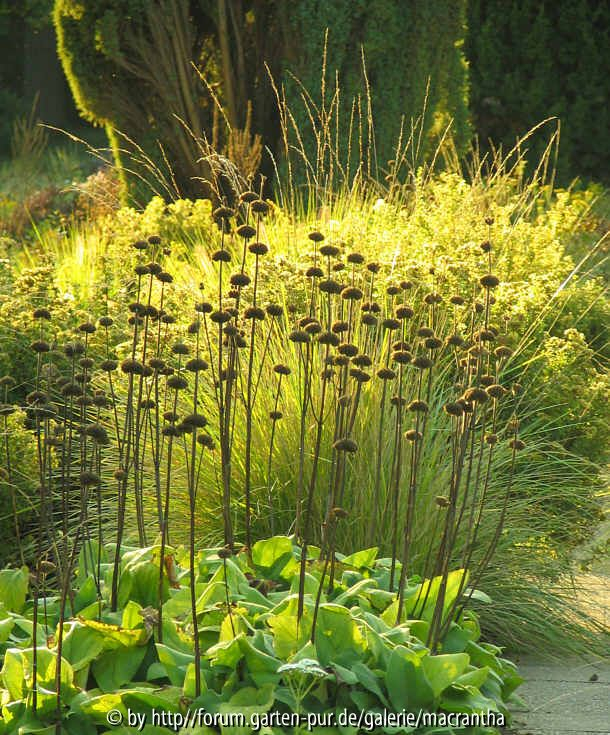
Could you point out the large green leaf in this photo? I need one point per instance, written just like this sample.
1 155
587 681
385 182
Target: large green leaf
14 588
338 637
443 670
115 668
274 557
406 682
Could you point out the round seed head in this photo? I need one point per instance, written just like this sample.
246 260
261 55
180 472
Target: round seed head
476 395
491 439
390 324
516 444
98 433
418 406
275 310
140 245
433 298
206 441
106 321
41 313
180 348
195 421
109 366
340 360
392 290
369 320
177 382
453 408
40 346
485 246
196 364
479 307
516 389
247 197
425 332
246 231
89 478
433 343
489 281
316 236
330 251
313 328
204 307
360 376
345 445
339 513
141 270
221 213
133 367
156 363
421 362
457 300
404 312
412 435
154 268
147 404
386 373
120 474
339 327
220 317
282 369
275 415
165 277
402 357
347 349
314 272
258 248
455 340
330 286
373 267
355 258
154 240
259 206
7 381
351 293
441 501
496 390
398 401
299 336
502 352
254 312
362 361
487 380
170 430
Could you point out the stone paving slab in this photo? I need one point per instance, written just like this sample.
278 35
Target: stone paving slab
565 698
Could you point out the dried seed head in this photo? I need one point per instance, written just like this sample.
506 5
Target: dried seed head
453 408
491 439
314 272
339 513
171 430
516 389
339 327
259 206
147 404
7 381
140 245
330 251
355 258
390 324
258 248
180 348
373 267
98 433
340 360
316 236
455 340
386 373
433 298
220 317
485 246
6 409
154 268
282 369
254 312
246 231
489 281
327 374
351 293
141 270
177 382
433 343
516 444
133 367
485 335
225 553
496 390
348 349
487 380
362 361
41 313
221 256
425 332
299 336
398 401
40 346
457 300
402 357
224 213
369 320
313 328
89 478
360 376
406 285
109 366
206 441
195 421
106 321
338 266
476 395
36 397
502 352
421 362
86 363
196 364
275 415
154 240
120 474
345 445
418 406
404 312
479 307
204 307
392 290
329 338
412 435
330 286
441 501
165 277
